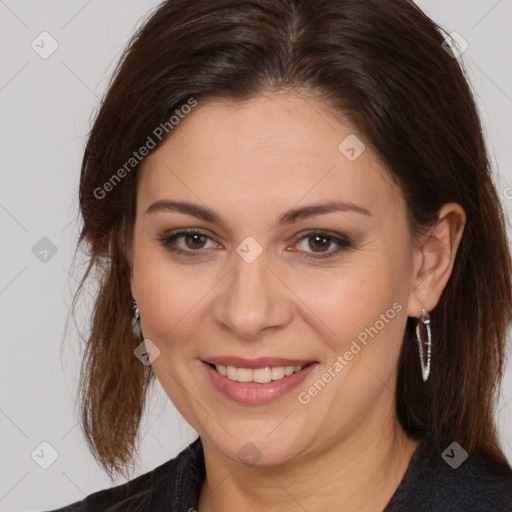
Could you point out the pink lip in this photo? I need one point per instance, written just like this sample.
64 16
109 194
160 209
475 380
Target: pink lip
252 392
261 362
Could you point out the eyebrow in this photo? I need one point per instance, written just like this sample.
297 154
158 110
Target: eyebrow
288 217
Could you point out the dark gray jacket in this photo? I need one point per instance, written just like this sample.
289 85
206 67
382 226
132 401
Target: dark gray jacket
430 484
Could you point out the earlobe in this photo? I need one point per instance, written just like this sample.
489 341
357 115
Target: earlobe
132 286
131 263
435 258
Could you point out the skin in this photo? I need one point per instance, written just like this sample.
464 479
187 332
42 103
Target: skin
250 162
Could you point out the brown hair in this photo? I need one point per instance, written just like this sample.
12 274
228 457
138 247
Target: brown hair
381 64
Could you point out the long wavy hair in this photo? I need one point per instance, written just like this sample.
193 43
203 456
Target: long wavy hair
382 64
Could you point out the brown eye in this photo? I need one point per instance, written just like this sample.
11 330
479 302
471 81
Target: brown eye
190 243
316 244
319 242
195 241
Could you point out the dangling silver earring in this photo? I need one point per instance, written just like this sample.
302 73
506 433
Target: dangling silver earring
137 329
425 320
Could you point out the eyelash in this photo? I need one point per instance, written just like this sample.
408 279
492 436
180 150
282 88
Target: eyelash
342 242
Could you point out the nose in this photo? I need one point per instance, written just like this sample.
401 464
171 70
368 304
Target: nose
253 300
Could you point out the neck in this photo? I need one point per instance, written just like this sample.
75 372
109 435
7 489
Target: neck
362 472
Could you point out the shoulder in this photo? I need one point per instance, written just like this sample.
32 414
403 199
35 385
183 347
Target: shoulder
478 484
152 491
451 480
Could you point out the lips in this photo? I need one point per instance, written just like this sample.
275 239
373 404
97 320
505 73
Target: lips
242 388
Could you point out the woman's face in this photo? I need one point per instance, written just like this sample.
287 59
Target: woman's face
261 279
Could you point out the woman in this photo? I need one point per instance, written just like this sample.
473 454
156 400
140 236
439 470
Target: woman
291 207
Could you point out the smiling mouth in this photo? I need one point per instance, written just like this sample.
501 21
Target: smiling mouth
259 375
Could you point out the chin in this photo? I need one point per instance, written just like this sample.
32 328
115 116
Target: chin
261 451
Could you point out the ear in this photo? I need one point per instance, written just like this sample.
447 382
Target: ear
434 257
131 259
132 285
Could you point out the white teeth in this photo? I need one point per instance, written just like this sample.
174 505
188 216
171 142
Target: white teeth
231 372
288 370
277 372
260 375
243 375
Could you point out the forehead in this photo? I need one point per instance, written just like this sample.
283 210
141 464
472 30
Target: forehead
278 149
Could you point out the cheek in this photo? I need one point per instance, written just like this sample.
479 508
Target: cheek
169 298
365 302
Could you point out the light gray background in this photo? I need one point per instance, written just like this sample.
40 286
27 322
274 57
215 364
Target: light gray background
46 109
